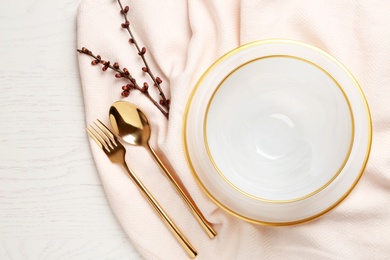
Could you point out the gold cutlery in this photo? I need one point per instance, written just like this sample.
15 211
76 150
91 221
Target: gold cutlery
132 125
115 151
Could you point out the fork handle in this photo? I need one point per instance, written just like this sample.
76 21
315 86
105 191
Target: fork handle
185 196
191 251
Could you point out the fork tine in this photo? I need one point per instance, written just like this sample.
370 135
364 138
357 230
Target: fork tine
102 137
97 141
107 132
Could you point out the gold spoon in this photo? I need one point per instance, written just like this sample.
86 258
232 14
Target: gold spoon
131 124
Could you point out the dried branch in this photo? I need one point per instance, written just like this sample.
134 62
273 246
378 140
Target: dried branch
124 73
141 51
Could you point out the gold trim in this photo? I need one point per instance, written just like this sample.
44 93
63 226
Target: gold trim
255 221
313 192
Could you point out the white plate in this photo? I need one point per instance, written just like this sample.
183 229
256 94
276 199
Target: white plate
277 132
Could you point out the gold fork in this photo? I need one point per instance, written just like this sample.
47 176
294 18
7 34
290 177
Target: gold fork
115 151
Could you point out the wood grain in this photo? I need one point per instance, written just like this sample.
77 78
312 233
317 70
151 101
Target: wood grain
52 204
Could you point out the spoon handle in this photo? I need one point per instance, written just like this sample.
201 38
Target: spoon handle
188 247
186 197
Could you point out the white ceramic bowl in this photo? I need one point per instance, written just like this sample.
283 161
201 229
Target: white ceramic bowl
277 132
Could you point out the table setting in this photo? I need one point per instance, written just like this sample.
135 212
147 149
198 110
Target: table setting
239 129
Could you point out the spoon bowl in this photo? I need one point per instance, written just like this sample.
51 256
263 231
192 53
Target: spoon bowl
130 123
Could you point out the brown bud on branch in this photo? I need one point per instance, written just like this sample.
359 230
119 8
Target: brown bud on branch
143 51
125 93
125 24
145 87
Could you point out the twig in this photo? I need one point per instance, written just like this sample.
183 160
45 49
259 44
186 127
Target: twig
141 51
124 73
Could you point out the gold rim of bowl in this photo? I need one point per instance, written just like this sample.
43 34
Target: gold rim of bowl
304 196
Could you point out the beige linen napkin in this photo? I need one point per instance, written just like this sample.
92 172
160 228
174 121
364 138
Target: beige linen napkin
183 38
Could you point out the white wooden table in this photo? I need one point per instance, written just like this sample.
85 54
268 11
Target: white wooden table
52 204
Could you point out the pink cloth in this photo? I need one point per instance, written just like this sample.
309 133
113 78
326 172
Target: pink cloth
183 38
